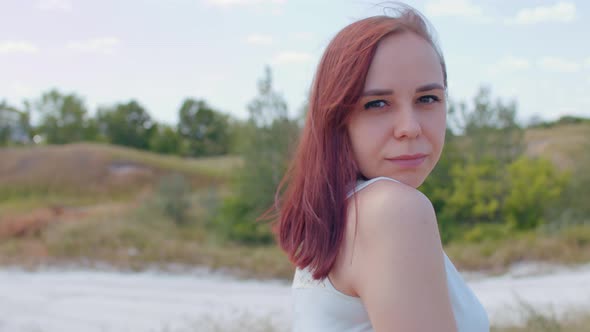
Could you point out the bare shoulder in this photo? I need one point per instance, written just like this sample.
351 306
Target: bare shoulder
391 204
399 261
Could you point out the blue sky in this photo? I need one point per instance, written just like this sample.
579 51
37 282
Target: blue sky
161 51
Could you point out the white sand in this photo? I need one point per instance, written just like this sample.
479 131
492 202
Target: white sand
52 300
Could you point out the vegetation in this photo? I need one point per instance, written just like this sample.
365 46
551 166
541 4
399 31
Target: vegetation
121 188
268 139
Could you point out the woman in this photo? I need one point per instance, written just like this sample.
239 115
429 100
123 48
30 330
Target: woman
366 242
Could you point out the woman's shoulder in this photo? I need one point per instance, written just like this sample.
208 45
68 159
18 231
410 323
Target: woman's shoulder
386 197
398 261
388 210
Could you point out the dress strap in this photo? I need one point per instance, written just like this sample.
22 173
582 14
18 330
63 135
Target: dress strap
361 184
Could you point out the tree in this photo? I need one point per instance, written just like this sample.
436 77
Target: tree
267 145
469 185
489 129
535 186
64 118
203 129
126 124
164 140
269 105
15 126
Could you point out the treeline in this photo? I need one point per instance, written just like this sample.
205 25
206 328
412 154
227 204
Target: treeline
64 118
485 185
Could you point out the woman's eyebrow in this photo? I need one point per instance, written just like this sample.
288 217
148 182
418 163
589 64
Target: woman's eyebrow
428 87
385 92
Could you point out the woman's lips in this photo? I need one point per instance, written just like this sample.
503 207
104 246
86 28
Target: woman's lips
408 161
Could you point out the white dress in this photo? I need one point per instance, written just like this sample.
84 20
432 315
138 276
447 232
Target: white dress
319 307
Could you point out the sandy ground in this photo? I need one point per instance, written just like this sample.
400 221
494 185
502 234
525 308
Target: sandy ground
68 300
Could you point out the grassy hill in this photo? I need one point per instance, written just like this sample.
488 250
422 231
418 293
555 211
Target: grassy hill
563 145
84 173
91 203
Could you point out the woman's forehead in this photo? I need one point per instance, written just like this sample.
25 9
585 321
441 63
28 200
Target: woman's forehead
404 60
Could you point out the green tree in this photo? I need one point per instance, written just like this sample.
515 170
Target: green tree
535 186
173 199
477 193
489 129
237 130
439 185
204 130
64 118
164 140
470 185
15 126
572 205
126 124
268 142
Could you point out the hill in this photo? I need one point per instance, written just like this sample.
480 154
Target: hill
88 172
93 203
564 144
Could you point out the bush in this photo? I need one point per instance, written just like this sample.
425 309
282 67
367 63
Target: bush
482 232
535 185
173 197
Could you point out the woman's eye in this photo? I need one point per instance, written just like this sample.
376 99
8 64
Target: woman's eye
428 99
376 104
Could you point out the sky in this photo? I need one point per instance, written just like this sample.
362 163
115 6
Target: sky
160 52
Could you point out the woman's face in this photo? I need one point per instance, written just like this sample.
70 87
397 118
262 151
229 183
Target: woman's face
398 127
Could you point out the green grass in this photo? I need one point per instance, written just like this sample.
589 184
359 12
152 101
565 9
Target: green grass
80 175
570 245
140 236
85 173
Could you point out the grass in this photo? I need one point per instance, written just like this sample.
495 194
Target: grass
561 144
535 321
83 173
570 245
117 221
137 236
120 226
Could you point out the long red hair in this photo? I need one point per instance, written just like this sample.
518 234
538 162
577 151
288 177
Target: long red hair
310 203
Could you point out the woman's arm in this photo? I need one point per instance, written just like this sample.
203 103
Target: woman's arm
398 261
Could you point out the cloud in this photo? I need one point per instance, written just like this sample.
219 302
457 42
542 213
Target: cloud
559 65
228 3
456 8
256 39
57 5
510 63
560 12
99 45
587 63
17 47
291 57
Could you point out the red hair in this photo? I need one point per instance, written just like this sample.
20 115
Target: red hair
311 213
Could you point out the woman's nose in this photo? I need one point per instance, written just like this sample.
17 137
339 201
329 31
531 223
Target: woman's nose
406 124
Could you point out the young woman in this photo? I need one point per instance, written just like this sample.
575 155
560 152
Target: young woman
365 242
